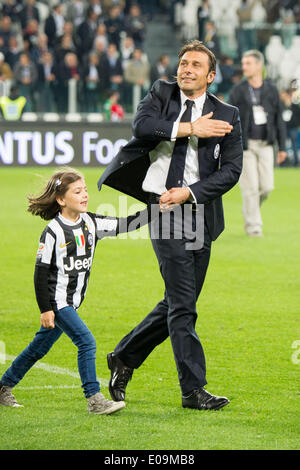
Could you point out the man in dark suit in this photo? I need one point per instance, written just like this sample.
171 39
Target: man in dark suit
54 24
187 151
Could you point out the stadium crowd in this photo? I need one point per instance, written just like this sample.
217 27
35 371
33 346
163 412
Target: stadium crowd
98 43
101 45
270 26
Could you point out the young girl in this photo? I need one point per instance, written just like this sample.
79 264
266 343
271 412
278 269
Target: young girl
62 270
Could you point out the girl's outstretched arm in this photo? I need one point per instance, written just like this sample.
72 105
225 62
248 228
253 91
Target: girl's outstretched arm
107 226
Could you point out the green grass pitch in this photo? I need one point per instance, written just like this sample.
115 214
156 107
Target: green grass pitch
248 323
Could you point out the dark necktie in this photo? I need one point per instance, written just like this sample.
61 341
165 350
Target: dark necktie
176 170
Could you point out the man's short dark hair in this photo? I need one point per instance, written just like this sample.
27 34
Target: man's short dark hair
198 46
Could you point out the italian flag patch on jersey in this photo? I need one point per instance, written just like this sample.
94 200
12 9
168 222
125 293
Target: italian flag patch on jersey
80 241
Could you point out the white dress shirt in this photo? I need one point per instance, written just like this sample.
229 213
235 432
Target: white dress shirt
160 157
59 23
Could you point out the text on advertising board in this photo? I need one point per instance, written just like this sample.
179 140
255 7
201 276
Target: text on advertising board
57 148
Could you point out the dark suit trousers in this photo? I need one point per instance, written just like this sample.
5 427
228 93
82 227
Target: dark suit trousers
183 272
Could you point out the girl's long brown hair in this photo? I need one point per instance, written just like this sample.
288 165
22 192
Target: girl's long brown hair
45 205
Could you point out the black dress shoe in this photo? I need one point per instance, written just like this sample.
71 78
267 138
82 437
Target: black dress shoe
200 399
119 378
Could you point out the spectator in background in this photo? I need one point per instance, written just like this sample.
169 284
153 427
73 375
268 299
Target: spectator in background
76 12
173 14
46 82
96 6
92 84
108 4
262 127
291 116
245 36
161 69
29 12
5 69
288 28
70 31
14 50
135 25
6 33
138 71
238 76
100 50
101 36
113 111
67 69
10 8
296 12
54 24
114 25
25 75
272 8
203 14
12 106
126 50
113 70
30 36
64 46
41 46
86 32
228 72
211 39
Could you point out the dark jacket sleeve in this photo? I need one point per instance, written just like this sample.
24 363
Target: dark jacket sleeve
147 123
222 180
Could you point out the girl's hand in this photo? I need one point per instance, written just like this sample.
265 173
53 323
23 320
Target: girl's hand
47 319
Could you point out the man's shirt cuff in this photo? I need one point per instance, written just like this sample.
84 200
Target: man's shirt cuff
174 131
192 197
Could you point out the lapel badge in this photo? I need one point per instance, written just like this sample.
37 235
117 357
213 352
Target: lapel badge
217 151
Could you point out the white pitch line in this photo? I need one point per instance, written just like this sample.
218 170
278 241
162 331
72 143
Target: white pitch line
49 387
56 370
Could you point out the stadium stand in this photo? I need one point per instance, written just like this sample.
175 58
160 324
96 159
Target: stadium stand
67 57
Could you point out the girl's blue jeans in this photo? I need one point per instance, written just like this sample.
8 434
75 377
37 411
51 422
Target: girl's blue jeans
68 321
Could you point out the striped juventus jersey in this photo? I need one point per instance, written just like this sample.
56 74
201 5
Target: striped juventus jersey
66 253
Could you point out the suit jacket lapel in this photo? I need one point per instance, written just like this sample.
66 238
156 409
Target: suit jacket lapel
202 143
173 107
208 105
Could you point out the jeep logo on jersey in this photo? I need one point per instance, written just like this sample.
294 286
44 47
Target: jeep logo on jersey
78 264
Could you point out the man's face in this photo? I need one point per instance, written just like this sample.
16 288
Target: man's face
193 74
6 23
111 50
24 59
251 66
137 54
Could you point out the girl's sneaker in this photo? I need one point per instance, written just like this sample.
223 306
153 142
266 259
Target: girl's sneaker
98 404
7 398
